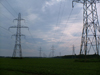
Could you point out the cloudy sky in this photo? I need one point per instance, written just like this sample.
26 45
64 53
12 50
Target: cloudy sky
50 22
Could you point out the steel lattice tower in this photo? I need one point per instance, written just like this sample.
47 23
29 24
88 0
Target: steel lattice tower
17 47
90 32
52 48
73 52
40 51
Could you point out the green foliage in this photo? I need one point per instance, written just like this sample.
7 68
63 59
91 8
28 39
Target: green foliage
47 66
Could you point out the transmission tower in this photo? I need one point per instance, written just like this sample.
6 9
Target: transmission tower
17 48
59 53
40 51
44 55
91 31
49 54
52 48
73 52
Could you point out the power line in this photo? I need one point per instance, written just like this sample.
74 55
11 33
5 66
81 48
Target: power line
7 10
67 20
58 14
26 45
66 23
62 11
5 29
32 36
8 31
62 14
58 17
75 19
11 6
5 16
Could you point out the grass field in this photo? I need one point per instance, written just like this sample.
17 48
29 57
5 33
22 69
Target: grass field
47 66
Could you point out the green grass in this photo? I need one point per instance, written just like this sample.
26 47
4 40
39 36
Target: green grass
47 66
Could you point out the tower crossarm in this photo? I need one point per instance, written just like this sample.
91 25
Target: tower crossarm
25 27
13 35
78 1
83 1
18 27
19 35
12 27
19 19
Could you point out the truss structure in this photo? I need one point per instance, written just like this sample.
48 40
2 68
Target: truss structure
17 48
90 39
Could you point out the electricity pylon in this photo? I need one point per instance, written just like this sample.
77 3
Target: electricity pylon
40 51
17 47
44 55
59 53
52 48
91 31
50 54
73 52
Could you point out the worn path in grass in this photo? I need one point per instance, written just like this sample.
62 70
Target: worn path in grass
47 66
